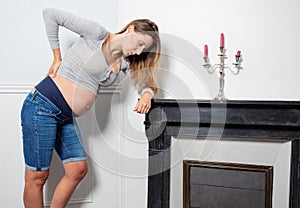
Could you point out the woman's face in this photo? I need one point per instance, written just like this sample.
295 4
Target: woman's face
134 43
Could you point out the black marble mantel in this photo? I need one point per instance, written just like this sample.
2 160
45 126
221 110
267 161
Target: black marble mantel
234 119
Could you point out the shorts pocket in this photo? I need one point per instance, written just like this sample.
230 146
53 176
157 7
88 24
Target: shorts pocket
46 110
46 107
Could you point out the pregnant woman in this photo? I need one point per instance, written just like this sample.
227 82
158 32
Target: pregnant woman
70 89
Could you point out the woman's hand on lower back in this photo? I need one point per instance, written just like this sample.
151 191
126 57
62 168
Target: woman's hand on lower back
55 64
53 68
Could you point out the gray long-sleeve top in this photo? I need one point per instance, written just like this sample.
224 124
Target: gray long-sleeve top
84 62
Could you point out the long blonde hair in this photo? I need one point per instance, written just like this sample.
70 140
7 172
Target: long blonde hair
144 66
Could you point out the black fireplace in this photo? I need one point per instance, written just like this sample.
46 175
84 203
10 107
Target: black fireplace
260 120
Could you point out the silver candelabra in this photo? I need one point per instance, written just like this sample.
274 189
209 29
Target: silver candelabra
221 66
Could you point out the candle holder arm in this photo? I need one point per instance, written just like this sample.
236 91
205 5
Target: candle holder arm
210 69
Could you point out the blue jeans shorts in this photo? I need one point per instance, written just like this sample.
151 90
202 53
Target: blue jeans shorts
45 128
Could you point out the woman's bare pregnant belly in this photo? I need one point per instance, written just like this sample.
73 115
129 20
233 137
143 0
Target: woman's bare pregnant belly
78 98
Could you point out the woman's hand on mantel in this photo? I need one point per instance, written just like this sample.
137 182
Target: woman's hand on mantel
144 104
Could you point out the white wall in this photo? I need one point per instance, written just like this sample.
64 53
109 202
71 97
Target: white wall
11 175
265 31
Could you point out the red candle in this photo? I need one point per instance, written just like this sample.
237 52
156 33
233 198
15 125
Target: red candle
222 40
205 51
238 53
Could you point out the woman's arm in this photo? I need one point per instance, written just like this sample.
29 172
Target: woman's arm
55 64
53 18
144 103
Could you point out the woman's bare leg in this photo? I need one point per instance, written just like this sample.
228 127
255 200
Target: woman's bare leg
74 173
33 190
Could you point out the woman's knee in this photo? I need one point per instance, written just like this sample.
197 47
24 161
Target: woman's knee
36 178
76 170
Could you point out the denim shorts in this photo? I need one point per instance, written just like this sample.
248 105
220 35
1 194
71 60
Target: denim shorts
45 128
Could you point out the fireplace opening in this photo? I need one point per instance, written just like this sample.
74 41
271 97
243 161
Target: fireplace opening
226 185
